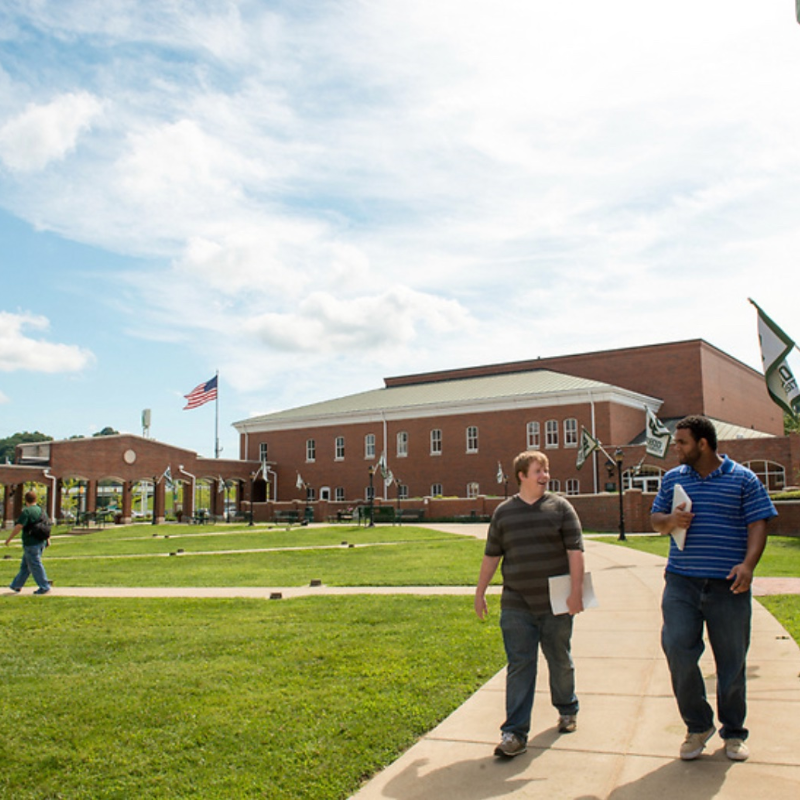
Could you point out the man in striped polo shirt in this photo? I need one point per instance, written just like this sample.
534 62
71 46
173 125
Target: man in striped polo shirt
708 582
537 535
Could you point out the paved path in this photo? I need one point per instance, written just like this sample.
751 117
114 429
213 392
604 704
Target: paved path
629 730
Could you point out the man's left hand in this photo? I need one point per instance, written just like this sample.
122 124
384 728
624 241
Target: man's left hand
742 577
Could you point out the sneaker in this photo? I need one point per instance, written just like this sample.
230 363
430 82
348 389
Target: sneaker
13 589
736 750
42 591
511 745
567 723
695 743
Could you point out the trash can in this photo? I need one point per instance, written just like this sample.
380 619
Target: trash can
309 514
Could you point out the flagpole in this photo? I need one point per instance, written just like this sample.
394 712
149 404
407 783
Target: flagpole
216 421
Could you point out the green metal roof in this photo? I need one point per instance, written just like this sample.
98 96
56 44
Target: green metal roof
535 387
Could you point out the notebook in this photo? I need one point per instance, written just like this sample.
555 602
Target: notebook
561 586
678 497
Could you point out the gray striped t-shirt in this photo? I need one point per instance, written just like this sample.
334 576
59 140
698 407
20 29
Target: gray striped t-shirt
533 540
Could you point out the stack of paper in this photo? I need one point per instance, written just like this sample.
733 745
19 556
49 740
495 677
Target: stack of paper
560 588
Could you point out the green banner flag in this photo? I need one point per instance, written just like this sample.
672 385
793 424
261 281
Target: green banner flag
775 346
656 435
588 445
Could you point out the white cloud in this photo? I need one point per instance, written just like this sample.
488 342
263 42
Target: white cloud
19 351
45 133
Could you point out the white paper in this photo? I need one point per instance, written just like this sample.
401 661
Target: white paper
561 587
679 496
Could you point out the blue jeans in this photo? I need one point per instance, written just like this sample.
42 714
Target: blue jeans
523 632
31 565
688 604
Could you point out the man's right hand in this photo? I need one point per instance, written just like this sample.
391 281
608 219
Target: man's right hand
481 608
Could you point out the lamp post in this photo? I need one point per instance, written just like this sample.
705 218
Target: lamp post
399 512
371 499
618 456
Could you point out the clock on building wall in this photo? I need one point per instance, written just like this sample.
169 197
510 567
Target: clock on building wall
129 456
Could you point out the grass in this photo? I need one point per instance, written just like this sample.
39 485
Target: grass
381 556
227 698
120 698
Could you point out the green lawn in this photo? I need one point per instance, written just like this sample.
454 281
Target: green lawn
227 699
206 699
381 556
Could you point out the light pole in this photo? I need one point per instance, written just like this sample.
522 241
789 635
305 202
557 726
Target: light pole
618 456
371 499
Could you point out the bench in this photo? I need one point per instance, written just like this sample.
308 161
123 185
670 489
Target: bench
410 515
286 516
379 514
202 517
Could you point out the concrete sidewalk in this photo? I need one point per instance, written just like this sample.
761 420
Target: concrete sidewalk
629 731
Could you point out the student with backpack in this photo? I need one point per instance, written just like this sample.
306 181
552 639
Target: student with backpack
35 529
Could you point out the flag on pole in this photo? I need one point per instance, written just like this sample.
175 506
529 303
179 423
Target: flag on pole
500 476
204 393
388 478
168 476
382 465
300 482
587 446
775 346
656 435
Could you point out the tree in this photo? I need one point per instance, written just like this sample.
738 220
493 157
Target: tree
9 444
791 424
107 431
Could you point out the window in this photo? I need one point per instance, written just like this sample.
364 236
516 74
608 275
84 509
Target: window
436 490
533 436
339 448
339 494
310 494
369 492
473 489
646 477
571 432
472 439
772 475
436 442
573 486
554 485
369 445
311 450
551 433
262 452
402 444
402 491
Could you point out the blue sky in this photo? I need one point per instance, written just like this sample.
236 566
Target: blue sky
311 196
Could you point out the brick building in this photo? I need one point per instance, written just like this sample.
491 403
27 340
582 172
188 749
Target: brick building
450 433
118 465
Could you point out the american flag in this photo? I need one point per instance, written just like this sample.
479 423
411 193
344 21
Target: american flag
201 394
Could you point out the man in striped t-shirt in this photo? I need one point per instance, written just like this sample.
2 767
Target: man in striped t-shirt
537 535
708 581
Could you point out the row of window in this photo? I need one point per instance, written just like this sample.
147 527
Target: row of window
473 490
533 440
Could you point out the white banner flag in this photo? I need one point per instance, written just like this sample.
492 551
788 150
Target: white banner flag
775 346
656 435
587 446
300 483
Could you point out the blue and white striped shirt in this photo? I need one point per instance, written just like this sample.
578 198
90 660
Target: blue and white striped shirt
724 503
